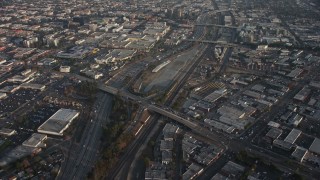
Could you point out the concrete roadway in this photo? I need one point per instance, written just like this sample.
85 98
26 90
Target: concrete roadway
83 156
129 155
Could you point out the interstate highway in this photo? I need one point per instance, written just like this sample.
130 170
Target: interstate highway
83 155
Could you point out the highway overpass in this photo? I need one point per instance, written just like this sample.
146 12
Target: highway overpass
157 109
217 25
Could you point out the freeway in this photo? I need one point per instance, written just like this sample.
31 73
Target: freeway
229 50
129 155
219 43
182 80
217 25
126 160
194 125
82 156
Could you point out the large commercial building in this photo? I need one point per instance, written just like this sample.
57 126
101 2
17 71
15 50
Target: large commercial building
299 153
315 146
33 86
3 95
58 122
7 132
293 136
65 69
302 94
35 140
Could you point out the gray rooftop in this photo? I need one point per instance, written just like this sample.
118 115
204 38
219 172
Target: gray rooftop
35 140
315 146
274 133
58 122
293 136
299 153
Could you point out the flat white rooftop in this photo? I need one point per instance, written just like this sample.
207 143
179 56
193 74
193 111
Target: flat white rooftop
35 140
58 122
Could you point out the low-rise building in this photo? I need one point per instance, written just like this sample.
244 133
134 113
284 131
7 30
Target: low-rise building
299 153
192 172
58 122
169 131
18 153
46 62
189 144
296 120
9 89
156 171
213 97
232 169
282 144
33 86
3 95
252 94
273 124
92 73
230 112
315 146
274 133
220 126
293 136
65 69
166 145
7 132
36 140
303 94
295 73
166 157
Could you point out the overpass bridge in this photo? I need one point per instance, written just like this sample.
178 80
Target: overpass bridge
213 42
217 25
157 109
207 25
222 43
194 126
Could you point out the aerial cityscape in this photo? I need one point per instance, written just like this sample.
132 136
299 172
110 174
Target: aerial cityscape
160 89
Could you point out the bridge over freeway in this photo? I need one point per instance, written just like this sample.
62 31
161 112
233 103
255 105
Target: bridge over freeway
208 25
222 43
217 25
160 110
193 125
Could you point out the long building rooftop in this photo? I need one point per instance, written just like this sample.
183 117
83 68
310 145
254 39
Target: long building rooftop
58 122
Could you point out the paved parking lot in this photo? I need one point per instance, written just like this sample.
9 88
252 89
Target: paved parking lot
15 100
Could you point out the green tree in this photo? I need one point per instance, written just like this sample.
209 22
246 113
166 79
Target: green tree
146 161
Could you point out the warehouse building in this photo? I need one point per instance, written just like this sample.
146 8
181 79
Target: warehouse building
273 124
230 112
299 153
58 122
3 95
303 94
32 86
292 136
273 133
7 132
36 140
217 94
315 146
282 144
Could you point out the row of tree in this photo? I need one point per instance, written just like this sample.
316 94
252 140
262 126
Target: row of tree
114 140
